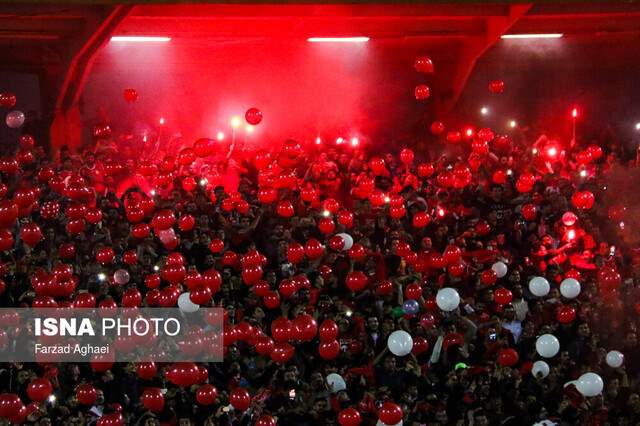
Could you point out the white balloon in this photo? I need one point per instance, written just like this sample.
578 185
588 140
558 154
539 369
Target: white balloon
336 382
15 119
500 269
447 299
540 368
400 343
539 286
547 346
348 240
185 304
570 288
615 359
590 384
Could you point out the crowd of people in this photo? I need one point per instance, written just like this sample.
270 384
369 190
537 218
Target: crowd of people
353 243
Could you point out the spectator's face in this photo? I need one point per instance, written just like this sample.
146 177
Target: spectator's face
390 363
373 324
583 330
480 420
441 417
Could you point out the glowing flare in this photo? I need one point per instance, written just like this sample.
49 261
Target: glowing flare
484 110
354 141
574 112
101 276
161 121
338 39
525 36
220 136
235 122
339 141
552 152
250 129
513 124
318 140
140 39
441 212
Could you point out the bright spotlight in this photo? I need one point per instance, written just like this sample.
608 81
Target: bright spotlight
326 213
552 151
101 276
140 39
220 136
250 129
318 140
469 132
534 151
235 122
440 212
354 141
484 110
161 121
583 173
338 39
52 399
525 36
387 199
339 141
203 182
348 313
509 172
638 126
513 124
156 268
152 192
574 112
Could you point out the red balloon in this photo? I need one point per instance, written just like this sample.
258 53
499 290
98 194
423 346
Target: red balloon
583 199
86 394
306 327
328 330
8 213
105 255
437 127
130 95
39 389
406 156
253 116
282 352
206 394
10 405
413 291
216 246
502 296
390 413
186 157
267 195
356 280
326 225
345 218
262 159
183 374
423 64
240 399
420 345
489 277
426 169
422 91
152 399
427 321
291 149
7 99
30 233
357 252
566 314
454 137
507 357
266 420
295 253
146 370
421 219
496 86
377 165
285 209
329 349
204 147
529 212
314 249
